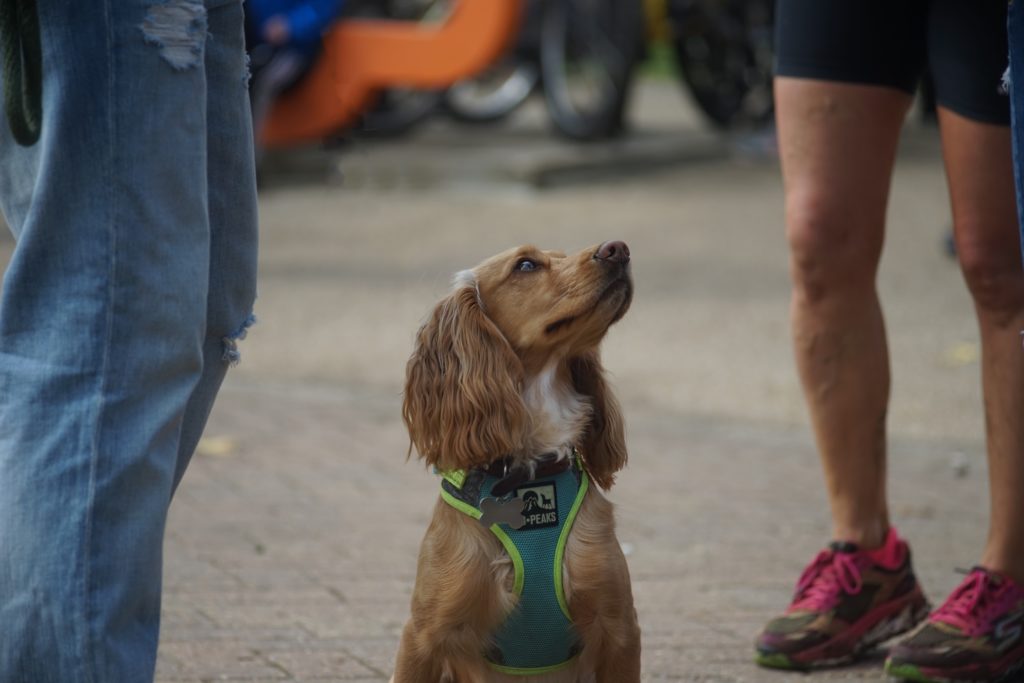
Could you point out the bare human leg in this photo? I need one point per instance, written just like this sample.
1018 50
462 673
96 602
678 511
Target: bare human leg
980 176
838 144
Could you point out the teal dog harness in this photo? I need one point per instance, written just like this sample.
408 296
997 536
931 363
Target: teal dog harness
532 519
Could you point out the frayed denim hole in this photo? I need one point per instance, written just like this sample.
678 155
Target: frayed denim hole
231 354
178 28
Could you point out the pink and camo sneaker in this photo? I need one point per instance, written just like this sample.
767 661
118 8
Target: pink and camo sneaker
847 601
977 635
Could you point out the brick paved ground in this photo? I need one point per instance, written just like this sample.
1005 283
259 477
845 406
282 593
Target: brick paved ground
291 544
291 552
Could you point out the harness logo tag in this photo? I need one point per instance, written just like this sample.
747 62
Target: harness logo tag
540 505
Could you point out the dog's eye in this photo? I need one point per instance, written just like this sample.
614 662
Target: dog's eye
525 265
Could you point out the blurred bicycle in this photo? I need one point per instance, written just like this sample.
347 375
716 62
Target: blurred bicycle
580 54
724 51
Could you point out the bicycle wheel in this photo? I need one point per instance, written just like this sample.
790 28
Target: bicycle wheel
588 49
494 94
724 52
397 111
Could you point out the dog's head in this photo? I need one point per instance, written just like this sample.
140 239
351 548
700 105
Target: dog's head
519 316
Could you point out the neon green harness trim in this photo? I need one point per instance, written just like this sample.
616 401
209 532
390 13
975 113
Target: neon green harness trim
510 547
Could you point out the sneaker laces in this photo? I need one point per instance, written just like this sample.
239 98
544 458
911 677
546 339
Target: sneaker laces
829 575
976 601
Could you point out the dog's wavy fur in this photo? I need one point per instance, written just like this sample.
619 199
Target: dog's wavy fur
508 365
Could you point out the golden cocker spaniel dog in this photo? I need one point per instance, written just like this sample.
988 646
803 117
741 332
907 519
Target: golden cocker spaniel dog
520 576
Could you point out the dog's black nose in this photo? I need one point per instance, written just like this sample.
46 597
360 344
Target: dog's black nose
615 251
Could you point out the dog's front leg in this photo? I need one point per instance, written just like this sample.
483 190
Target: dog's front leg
600 596
460 598
471 670
619 660
413 664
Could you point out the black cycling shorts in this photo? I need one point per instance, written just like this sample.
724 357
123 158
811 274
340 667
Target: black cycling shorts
891 42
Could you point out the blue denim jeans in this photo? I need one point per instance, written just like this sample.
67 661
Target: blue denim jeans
132 276
1015 31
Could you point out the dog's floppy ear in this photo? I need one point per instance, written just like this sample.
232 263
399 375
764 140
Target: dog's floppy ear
463 405
603 446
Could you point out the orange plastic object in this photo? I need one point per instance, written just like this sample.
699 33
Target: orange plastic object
363 56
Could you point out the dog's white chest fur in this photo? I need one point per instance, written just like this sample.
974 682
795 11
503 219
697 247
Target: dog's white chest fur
559 414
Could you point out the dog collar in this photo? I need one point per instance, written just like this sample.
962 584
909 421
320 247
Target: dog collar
511 474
